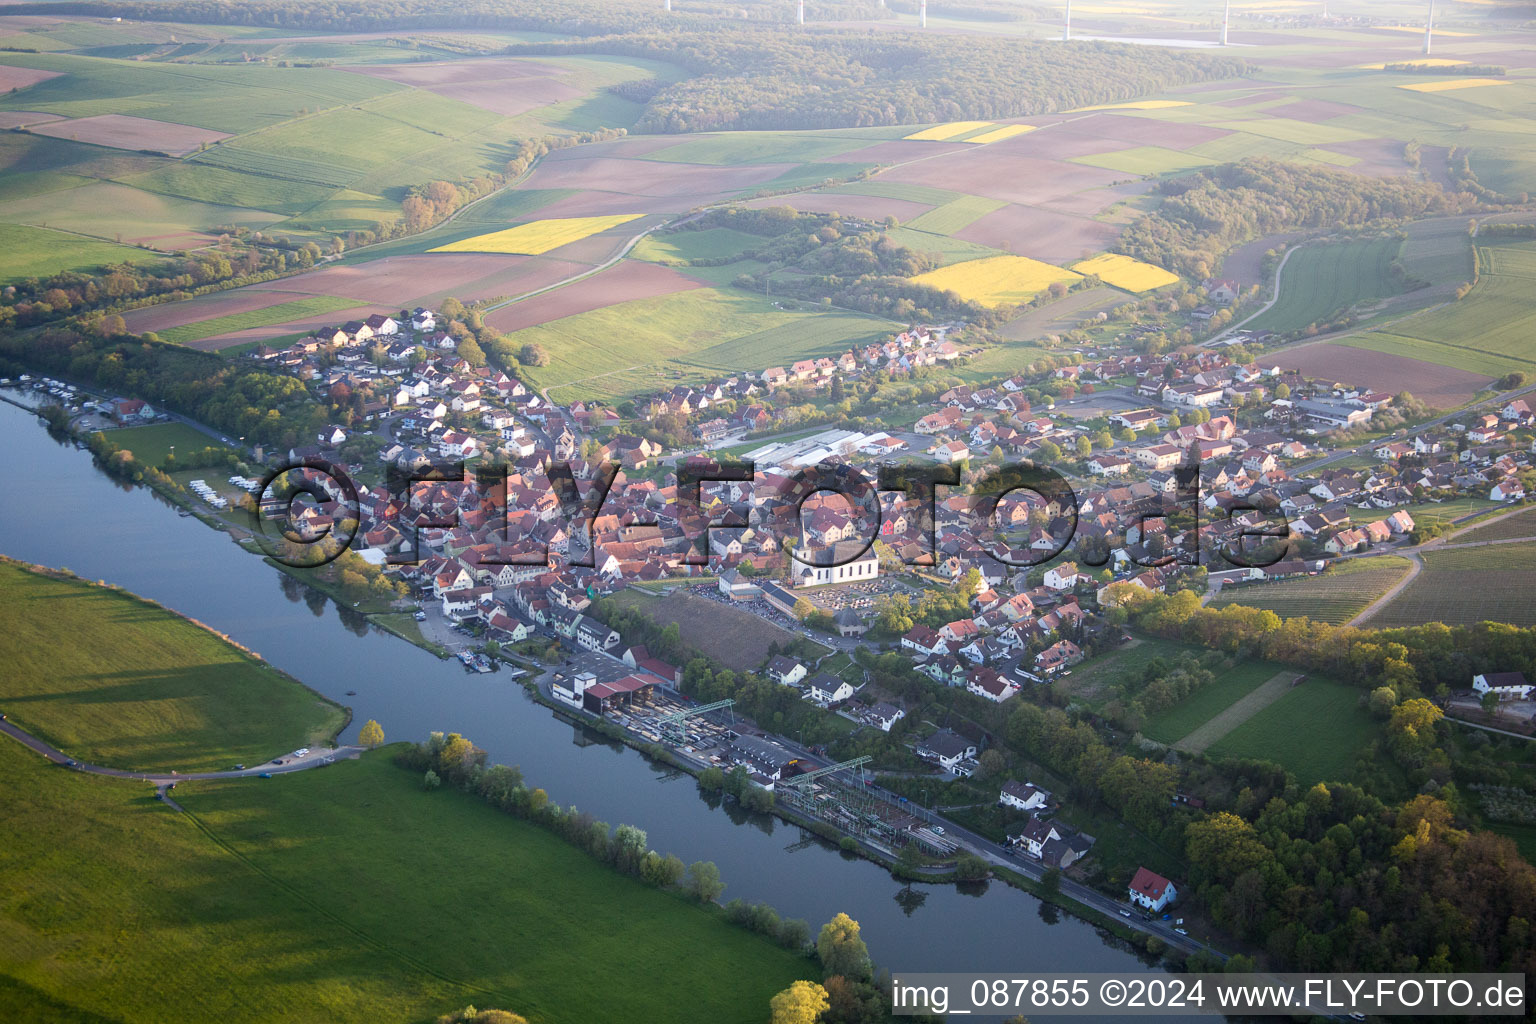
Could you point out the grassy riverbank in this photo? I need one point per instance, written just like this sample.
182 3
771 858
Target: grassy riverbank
347 893
113 679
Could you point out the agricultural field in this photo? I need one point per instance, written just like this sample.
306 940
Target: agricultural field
1399 364
945 132
139 687
955 215
265 317
39 252
1007 131
737 639
270 898
1337 596
1145 160
1125 273
1321 281
679 247
1468 585
1209 701
625 348
1495 319
1317 730
1518 526
997 280
538 237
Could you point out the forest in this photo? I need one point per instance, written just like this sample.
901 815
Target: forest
748 75
1203 215
822 257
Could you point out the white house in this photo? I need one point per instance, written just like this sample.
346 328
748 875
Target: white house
1151 890
1024 796
826 688
1062 577
1508 685
882 716
785 671
947 747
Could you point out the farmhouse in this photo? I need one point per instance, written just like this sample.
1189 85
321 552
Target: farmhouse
1508 685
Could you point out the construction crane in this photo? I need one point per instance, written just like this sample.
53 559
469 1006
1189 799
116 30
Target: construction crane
672 725
803 782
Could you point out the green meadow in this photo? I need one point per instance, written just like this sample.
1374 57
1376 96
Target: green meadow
138 686
40 252
345 894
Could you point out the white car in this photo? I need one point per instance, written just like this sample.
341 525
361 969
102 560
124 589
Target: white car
938 830
301 752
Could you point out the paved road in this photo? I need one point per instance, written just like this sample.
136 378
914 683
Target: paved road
315 758
1274 298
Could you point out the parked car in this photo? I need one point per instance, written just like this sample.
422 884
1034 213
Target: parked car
266 775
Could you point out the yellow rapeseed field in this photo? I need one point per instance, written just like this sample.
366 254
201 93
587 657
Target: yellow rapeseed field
1136 105
1126 273
1453 83
940 132
538 236
997 280
1007 131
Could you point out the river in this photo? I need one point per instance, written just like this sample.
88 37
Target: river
59 510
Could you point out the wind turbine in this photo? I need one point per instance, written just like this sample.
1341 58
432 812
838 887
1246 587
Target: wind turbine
1429 28
1226 15
1067 35
800 13
922 13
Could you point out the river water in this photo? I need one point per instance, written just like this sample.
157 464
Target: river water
59 510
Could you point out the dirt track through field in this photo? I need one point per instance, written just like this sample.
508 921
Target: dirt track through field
1246 707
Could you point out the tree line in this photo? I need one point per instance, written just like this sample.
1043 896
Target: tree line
239 397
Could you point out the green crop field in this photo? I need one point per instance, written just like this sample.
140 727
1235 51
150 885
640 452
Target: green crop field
280 313
1497 319
1514 527
1322 280
1336 596
1468 585
40 252
106 209
1285 129
1145 160
223 186
1396 344
898 190
225 98
756 148
139 687
955 215
947 250
1316 730
678 247
1209 701
616 350
345 894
